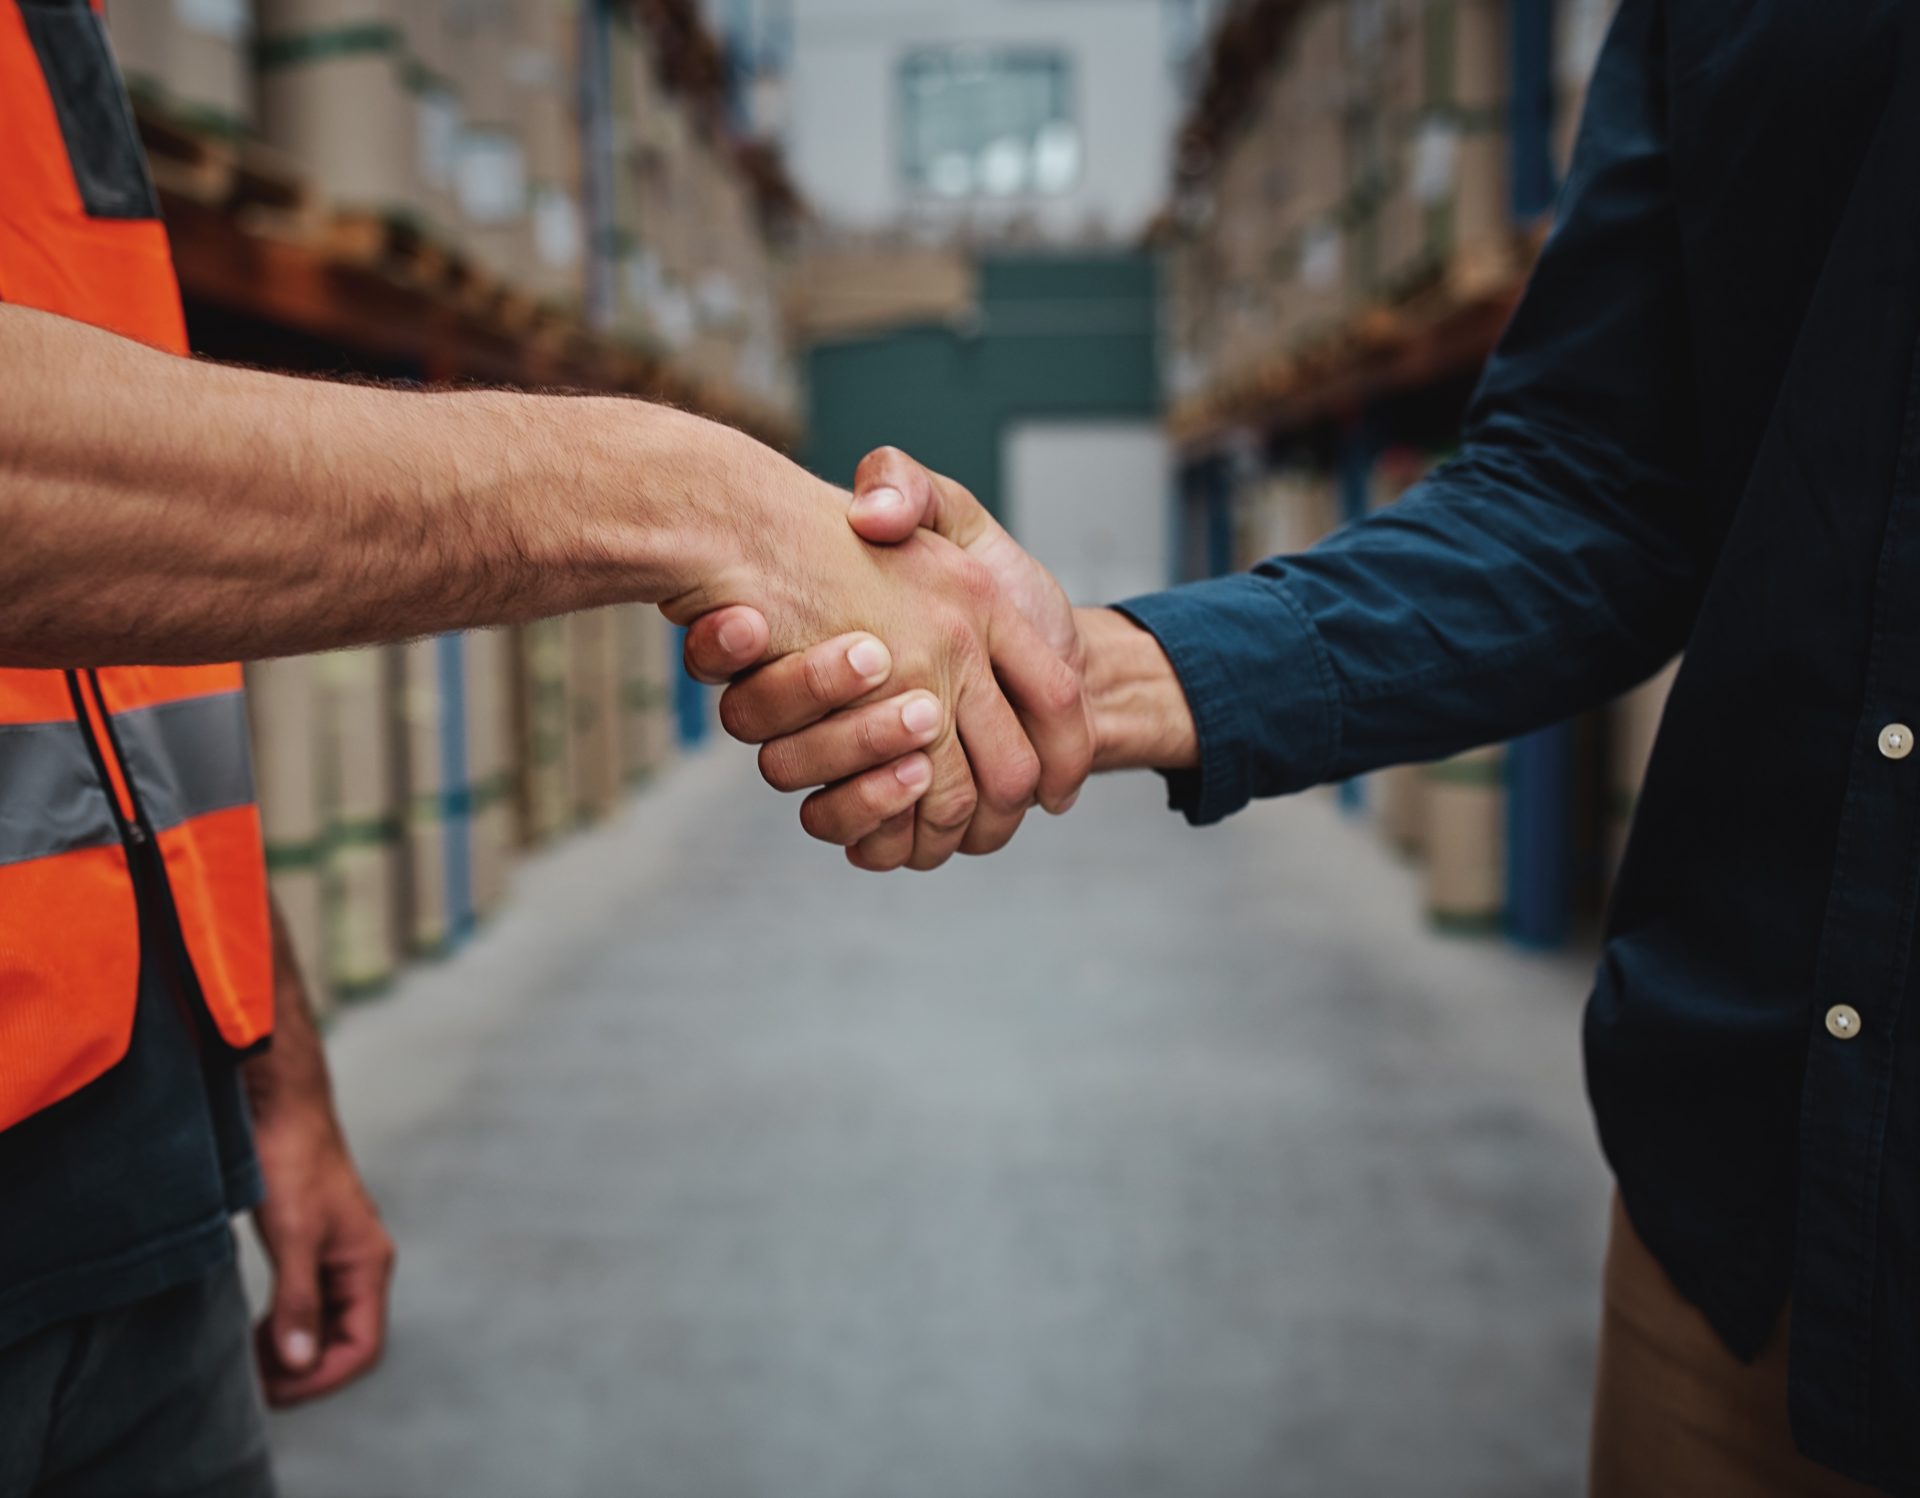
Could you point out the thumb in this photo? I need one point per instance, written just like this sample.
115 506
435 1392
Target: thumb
725 643
893 496
293 1322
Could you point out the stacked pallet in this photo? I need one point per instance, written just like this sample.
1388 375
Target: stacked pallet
1346 178
333 89
358 746
593 708
443 142
542 728
397 784
191 56
283 700
492 766
1445 207
647 671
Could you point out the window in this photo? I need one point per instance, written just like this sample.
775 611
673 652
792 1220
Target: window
988 124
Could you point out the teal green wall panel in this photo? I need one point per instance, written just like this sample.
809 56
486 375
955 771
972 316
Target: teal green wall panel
1056 336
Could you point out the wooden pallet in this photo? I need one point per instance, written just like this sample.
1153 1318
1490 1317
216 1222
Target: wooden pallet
188 162
389 242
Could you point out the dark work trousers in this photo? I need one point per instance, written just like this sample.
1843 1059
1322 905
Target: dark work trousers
156 1399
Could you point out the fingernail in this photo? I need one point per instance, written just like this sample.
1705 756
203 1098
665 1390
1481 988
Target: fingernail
869 660
913 772
921 715
1068 804
878 504
298 1348
736 637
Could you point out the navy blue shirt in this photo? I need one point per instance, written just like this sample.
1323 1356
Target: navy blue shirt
1701 433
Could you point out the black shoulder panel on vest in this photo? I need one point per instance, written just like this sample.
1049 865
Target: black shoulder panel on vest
91 103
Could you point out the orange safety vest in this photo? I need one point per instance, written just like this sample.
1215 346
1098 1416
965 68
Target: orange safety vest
98 768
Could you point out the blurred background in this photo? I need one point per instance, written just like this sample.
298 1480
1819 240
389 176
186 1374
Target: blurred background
1135 1161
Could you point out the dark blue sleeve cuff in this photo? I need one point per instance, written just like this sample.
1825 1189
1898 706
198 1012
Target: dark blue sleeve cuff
1260 686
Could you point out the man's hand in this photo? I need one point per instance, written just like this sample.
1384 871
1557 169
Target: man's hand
793 706
992 717
332 1258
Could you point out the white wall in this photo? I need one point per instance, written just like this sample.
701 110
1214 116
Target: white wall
844 88
1089 499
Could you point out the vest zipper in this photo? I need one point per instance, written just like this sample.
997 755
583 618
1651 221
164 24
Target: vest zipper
153 891
131 833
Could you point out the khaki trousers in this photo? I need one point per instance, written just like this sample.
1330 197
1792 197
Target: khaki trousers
1678 1416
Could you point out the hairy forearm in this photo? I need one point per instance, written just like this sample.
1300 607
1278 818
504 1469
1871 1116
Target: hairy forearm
158 510
1141 720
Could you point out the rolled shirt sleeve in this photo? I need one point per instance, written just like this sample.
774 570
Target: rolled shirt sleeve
1258 681
1560 559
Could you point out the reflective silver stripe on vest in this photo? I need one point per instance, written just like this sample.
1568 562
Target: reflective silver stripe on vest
187 758
51 799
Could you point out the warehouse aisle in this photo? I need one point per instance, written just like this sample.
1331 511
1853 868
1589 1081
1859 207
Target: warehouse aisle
1135 1162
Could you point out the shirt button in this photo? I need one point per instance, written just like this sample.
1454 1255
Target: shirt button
1843 1022
1896 741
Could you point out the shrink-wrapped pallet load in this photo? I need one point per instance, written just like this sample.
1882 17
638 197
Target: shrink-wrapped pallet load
1466 845
1402 799
646 693
193 57
283 701
492 172
593 691
334 97
1449 209
491 762
425 896
545 75
541 716
362 864
1633 723
1579 27
438 115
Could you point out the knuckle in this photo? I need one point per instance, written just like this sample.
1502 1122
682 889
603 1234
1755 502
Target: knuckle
878 795
819 819
737 715
779 765
959 636
1017 777
1062 689
817 674
972 580
953 812
868 736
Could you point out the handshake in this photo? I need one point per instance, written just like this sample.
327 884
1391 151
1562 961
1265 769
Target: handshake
922 675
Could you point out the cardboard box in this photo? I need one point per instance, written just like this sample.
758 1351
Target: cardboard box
1448 206
646 695
491 760
195 57
334 97
424 897
283 702
1633 724
1579 29
541 718
1466 819
1403 802
362 867
593 694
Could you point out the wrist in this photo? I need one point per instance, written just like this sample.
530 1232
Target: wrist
1141 720
622 501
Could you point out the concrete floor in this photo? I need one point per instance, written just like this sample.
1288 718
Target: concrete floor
1135 1162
